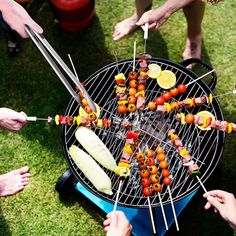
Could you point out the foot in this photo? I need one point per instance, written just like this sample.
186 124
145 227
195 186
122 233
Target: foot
14 181
125 27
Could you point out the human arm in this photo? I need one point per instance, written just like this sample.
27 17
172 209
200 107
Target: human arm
12 120
17 17
117 224
224 204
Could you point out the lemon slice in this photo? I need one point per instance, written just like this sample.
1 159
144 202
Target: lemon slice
205 115
166 79
82 112
154 71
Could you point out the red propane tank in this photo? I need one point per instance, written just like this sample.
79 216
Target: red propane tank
74 15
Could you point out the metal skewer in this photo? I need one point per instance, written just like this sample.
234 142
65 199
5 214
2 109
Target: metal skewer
151 215
117 195
200 77
231 92
145 36
34 118
162 210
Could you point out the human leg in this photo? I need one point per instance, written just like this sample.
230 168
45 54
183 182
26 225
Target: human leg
14 181
128 25
194 13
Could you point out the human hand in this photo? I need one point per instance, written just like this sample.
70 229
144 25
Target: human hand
12 120
17 17
117 224
224 204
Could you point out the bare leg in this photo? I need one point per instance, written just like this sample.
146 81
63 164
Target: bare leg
14 181
128 25
194 14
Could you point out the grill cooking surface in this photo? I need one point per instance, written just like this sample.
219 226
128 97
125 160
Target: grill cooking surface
204 146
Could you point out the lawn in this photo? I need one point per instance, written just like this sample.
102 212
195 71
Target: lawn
29 84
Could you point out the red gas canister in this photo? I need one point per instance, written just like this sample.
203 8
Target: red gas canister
74 15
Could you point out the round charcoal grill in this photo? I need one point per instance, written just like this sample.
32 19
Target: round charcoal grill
204 146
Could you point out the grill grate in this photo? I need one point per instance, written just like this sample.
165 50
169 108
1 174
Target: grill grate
205 146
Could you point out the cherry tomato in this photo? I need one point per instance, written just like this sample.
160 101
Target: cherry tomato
88 109
133 84
167 181
174 105
132 108
182 88
161 157
165 173
163 164
189 118
153 169
132 91
122 109
149 153
159 150
155 178
133 75
150 161
151 106
142 165
140 157
174 92
144 173
141 87
166 96
159 100
145 182
92 116
157 187
132 99
147 191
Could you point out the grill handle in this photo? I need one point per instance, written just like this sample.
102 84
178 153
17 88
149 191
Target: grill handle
190 61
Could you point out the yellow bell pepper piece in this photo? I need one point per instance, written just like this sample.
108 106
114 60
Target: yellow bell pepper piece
57 119
123 164
210 98
183 152
168 106
128 149
78 120
100 123
140 93
173 136
182 117
142 73
123 102
230 128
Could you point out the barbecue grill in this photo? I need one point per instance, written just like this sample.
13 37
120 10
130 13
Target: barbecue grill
205 146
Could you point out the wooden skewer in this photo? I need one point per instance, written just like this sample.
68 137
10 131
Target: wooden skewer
145 36
200 77
151 215
201 183
134 55
162 210
117 195
173 208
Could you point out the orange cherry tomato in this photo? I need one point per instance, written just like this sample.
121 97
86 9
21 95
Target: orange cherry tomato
174 105
150 161
144 173
151 106
153 169
133 84
167 181
155 178
145 182
159 150
122 109
88 109
132 108
165 173
142 165
141 87
147 191
161 157
189 118
92 116
157 187
132 91
149 153
132 75
163 164
140 157
132 99
174 92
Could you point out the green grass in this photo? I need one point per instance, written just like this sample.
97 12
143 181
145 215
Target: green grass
29 84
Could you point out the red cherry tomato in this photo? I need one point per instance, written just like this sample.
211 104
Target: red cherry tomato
155 178
144 173
182 88
167 181
133 75
147 191
150 161
189 118
163 164
159 100
145 182
122 109
174 92
165 173
153 169
166 96
157 187
132 99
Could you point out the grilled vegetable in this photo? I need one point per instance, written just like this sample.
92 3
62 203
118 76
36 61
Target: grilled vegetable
91 170
95 147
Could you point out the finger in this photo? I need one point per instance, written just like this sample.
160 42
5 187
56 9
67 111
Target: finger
114 219
215 202
207 206
106 222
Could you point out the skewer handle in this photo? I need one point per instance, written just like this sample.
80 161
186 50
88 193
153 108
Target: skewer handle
146 31
162 210
173 208
151 215
31 118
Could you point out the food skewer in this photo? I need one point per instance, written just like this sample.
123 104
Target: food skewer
151 215
117 195
201 183
162 210
34 118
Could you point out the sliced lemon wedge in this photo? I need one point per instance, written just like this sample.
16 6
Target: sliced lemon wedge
166 79
154 71
205 115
